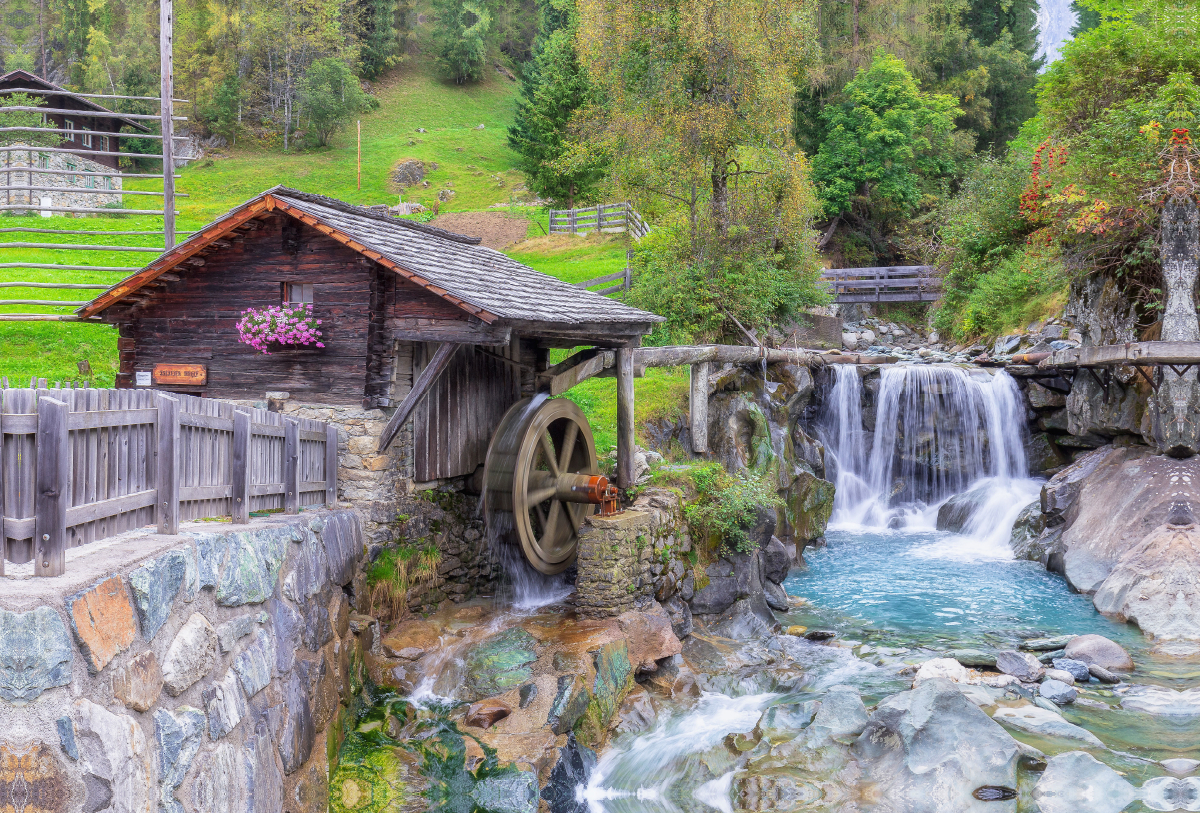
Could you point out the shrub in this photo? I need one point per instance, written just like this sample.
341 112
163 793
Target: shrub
281 324
726 505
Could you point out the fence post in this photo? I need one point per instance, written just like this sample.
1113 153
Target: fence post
167 480
698 406
291 467
241 468
331 465
573 231
50 495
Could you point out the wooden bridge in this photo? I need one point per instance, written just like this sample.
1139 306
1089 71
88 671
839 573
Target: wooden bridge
897 283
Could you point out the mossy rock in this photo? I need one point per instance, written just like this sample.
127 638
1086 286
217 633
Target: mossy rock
374 779
500 663
614 679
810 505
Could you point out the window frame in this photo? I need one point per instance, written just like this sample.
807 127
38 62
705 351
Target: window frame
288 290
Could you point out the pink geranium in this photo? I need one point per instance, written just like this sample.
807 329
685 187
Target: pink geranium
282 324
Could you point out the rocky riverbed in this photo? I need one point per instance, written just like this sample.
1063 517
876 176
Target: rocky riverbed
921 345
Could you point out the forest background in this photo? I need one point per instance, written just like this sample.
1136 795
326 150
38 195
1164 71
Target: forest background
765 141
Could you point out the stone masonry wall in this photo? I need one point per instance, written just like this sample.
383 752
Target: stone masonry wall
207 671
16 173
628 560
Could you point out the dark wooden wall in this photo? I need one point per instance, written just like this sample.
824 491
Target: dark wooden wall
194 320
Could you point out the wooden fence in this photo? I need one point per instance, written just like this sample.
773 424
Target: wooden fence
607 217
904 283
78 465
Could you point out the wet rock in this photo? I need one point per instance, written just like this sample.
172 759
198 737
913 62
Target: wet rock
1077 781
975 658
510 793
253 665
775 597
945 668
1046 644
1101 674
225 705
928 749
1096 650
1043 454
747 619
155 586
574 768
780 723
191 655
956 512
1021 665
115 751
1057 692
139 683
102 622
637 712
500 662
1060 676
528 694
1077 669
650 636
1045 723
570 702
35 654
486 713
1041 398
614 678
681 616
820 635
841 717
414 634
776 561
1170 793
178 735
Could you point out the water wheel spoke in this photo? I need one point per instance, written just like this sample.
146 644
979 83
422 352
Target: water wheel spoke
542 494
551 524
541 515
548 452
575 520
570 435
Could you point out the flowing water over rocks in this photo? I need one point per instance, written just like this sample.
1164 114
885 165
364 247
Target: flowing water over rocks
912 663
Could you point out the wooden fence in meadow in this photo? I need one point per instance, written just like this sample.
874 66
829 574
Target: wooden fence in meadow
607 217
80 464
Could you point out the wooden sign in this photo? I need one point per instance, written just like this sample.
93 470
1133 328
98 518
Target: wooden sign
180 375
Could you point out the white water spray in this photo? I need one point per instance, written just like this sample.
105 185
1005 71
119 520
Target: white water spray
939 430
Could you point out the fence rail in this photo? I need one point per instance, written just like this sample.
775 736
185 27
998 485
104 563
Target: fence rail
625 276
79 464
607 217
903 283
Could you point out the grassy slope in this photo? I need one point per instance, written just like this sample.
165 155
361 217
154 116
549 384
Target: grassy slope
469 160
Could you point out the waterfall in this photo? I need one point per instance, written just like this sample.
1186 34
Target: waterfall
939 430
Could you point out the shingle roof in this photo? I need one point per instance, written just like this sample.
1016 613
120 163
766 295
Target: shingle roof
479 275
483 279
24 79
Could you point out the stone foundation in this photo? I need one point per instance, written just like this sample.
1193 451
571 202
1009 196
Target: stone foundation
628 560
17 173
207 671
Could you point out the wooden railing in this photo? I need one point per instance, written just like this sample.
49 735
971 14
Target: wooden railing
79 464
625 276
607 217
903 283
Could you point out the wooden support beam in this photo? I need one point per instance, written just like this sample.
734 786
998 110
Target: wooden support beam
167 481
698 406
432 372
291 466
578 367
51 492
625 417
240 467
331 465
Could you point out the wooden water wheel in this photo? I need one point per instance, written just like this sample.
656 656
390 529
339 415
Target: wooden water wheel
542 480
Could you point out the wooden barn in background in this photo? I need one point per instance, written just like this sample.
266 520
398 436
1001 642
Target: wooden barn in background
413 317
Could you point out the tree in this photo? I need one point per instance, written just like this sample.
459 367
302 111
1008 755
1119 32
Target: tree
554 88
331 95
29 120
381 35
461 38
887 142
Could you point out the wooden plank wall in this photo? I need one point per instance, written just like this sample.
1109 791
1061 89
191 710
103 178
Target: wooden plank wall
455 421
113 447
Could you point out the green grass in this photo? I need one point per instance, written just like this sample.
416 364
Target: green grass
572 258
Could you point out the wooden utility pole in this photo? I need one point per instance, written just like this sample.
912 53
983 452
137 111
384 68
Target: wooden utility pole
358 163
166 26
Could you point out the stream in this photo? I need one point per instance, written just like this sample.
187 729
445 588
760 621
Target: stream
888 591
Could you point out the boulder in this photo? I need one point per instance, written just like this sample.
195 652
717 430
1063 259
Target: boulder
781 722
500 662
928 749
1060 676
570 702
1041 398
573 769
956 512
1043 454
1076 781
775 597
944 668
649 635
637 713
1103 675
1046 644
1077 669
1021 665
680 614
191 655
1057 692
776 561
1099 651
973 658
486 713
1045 723
840 717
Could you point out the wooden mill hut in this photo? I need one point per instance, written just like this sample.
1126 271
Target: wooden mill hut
402 305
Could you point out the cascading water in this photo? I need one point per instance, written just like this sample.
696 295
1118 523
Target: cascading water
938 431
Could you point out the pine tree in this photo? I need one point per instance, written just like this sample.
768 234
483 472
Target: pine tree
462 37
553 88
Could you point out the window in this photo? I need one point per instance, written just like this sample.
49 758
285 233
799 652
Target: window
86 139
43 160
298 292
69 126
91 181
